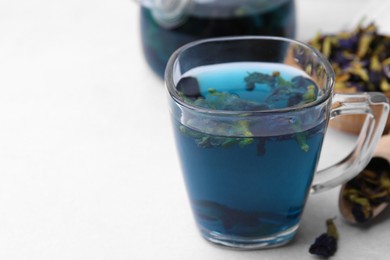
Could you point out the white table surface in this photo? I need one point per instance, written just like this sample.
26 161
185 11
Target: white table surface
88 167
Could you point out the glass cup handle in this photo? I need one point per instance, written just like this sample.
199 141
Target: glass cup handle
373 104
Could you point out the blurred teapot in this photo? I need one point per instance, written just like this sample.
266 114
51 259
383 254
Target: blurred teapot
168 24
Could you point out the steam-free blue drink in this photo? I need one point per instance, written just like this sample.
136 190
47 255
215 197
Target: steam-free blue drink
242 180
206 19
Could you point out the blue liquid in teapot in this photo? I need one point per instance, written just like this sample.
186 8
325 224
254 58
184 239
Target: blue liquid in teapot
207 19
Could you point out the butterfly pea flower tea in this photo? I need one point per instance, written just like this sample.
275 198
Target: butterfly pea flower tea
249 117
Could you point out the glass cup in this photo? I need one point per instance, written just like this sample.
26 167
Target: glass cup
249 117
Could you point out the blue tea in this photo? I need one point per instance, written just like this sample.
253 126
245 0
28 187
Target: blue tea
243 181
206 19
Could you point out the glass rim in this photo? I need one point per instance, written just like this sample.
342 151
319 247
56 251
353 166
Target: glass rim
171 86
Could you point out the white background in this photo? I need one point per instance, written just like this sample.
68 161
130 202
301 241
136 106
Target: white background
88 167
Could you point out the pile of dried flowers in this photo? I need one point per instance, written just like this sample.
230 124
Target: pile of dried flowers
360 58
369 189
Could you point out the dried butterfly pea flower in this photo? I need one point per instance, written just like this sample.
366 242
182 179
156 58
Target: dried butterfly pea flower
326 244
369 189
360 58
